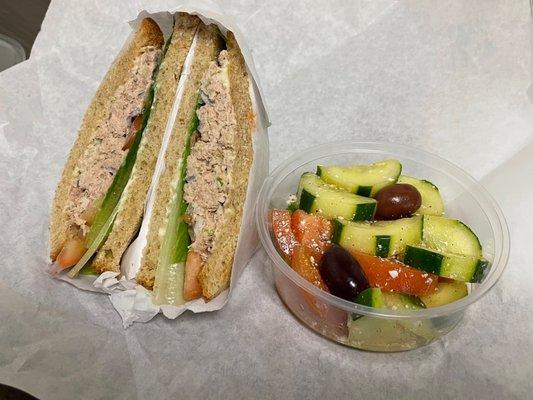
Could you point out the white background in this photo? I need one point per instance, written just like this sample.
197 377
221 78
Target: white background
451 77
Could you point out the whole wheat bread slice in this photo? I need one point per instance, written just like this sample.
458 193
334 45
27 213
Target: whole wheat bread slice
216 271
209 45
148 34
133 199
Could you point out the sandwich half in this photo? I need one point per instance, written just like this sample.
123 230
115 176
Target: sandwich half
199 198
99 201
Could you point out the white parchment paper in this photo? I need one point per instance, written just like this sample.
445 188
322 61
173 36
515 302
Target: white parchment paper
451 76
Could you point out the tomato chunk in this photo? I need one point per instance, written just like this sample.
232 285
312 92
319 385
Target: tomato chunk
305 261
283 234
393 276
312 230
191 287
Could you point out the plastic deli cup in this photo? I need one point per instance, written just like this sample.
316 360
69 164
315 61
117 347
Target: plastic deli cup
369 328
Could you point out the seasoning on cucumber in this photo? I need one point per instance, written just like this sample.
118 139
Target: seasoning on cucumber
364 180
393 225
314 195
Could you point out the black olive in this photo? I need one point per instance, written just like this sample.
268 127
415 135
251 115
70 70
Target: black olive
342 273
397 201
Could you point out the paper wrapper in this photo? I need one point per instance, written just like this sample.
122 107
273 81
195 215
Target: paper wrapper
452 77
132 301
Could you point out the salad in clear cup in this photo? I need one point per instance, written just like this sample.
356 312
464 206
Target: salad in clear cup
379 246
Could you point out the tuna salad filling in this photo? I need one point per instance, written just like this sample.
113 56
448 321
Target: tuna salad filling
210 163
97 166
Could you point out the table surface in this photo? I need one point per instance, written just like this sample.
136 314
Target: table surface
450 76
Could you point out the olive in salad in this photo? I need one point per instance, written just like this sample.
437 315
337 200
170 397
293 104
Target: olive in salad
370 235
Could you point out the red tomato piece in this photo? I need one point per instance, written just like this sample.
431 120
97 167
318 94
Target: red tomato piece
283 234
305 261
312 230
394 276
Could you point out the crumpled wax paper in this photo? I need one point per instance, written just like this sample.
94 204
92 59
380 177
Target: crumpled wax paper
452 77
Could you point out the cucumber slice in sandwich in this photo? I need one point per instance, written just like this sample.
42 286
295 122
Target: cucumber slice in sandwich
100 163
379 238
199 195
432 203
363 180
314 195
448 265
450 236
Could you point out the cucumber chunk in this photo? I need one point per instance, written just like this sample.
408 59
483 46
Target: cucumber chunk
450 236
375 333
447 292
379 238
374 297
371 297
432 203
364 180
453 266
314 195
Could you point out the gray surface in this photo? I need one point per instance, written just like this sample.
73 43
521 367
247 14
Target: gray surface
449 76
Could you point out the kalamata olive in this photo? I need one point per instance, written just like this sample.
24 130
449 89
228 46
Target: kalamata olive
397 201
342 273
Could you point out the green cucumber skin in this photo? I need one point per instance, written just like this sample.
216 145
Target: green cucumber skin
365 191
337 231
306 201
365 212
378 240
315 195
436 263
382 245
371 297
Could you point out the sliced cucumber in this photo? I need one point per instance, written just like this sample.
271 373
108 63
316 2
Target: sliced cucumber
170 272
382 332
448 265
450 236
364 180
400 301
314 195
379 238
432 203
371 297
447 292
374 297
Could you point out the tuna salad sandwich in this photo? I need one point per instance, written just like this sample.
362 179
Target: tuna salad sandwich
99 201
163 156
194 223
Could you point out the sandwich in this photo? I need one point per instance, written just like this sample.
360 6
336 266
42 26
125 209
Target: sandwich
167 167
194 224
99 201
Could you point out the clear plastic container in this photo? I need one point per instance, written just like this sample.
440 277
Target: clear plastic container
364 327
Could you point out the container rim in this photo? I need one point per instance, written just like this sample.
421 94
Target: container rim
487 204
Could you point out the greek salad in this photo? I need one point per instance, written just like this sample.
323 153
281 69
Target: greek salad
368 234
